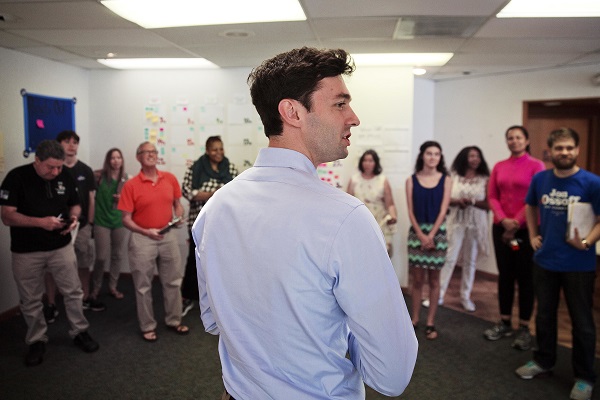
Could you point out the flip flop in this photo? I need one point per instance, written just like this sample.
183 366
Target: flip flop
430 332
150 336
179 329
116 294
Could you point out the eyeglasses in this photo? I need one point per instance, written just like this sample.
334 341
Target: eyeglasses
148 152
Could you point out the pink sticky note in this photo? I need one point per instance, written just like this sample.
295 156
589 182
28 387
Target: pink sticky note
40 123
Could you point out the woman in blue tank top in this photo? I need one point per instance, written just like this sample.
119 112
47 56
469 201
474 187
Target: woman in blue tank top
428 197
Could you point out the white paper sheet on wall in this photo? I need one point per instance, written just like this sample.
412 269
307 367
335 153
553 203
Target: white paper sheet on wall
180 136
211 114
240 114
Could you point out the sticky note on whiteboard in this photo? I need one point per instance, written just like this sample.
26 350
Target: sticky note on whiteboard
39 123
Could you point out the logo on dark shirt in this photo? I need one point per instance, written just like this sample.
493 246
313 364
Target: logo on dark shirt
60 188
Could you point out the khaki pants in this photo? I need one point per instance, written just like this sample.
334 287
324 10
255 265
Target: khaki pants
111 249
144 255
29 270
84 247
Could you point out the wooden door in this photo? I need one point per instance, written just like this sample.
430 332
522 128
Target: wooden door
539 128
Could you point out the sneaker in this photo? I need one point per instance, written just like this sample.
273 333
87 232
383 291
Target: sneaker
50 313
35 355
531 370
85 342
425 302
498 331
187 305
93 304
468 305
582 390
523 339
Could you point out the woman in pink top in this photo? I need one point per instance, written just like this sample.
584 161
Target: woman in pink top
507 189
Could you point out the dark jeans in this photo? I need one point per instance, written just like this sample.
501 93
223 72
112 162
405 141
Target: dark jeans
514 266
189 286
578 290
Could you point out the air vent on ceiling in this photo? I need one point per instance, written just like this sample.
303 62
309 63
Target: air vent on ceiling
420 26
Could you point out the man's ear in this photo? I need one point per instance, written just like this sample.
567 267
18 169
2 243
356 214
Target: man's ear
289 110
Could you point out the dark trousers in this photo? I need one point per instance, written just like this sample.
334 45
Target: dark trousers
226 396
578 290
514 266
189 285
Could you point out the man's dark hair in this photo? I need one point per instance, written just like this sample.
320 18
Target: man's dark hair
461 162
377 170
563 133
49 149
66 135
295 75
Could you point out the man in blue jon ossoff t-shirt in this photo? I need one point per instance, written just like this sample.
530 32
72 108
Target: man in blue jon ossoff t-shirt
563 263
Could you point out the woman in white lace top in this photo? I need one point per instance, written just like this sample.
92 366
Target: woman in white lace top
372 188
467 221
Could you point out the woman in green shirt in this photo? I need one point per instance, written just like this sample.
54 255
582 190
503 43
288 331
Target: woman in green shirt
111 237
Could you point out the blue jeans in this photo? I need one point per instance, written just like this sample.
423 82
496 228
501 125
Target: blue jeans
578 289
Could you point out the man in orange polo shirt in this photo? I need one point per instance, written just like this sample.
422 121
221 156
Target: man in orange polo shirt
149 201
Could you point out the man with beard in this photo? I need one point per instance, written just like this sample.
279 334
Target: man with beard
561 263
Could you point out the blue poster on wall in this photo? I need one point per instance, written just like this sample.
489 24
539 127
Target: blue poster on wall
45 117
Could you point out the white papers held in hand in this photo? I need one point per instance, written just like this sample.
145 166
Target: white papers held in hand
580 216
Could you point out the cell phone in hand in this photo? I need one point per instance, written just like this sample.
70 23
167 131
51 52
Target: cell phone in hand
170 225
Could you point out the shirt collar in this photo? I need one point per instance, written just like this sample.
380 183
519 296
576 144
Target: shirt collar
284 158
143 177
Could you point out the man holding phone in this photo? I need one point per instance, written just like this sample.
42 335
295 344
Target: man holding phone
149 202
39 203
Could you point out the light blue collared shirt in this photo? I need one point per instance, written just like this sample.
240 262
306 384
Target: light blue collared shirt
293 274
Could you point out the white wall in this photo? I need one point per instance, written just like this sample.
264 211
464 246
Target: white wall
384 97
109 103
381 96
40 76
477 111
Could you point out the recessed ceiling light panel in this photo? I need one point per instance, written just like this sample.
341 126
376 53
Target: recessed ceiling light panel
402 59
158 63
550 9
170 13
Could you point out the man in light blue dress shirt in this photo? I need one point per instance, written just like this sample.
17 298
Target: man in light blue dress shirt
294 274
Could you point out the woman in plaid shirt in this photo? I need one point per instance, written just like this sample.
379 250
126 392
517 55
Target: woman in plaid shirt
208 174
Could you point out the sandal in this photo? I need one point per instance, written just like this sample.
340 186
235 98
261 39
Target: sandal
180 329
150 336
430 332
116 294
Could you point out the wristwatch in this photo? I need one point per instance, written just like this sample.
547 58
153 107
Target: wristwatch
585 244
194 192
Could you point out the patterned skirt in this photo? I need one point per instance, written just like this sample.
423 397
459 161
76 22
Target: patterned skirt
429 259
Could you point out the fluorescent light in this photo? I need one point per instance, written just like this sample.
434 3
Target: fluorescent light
402 59
168 13
419 71
550 8
158 63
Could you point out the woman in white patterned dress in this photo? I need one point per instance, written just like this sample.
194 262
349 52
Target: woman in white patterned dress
467 221
372 188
